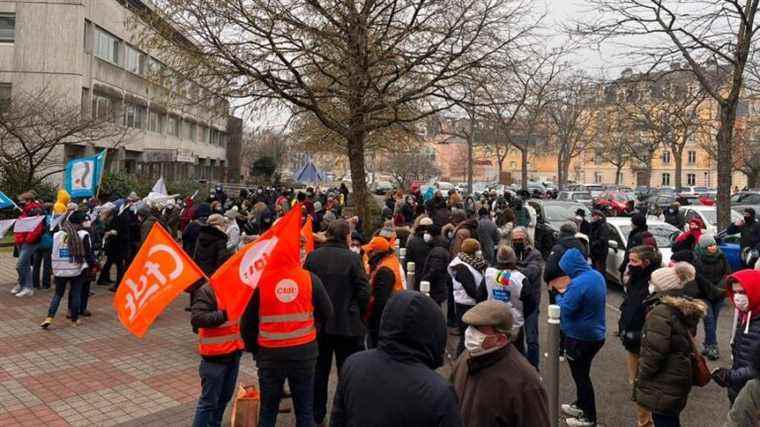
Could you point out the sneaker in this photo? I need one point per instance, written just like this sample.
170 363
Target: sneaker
572 410
713 353
25 293
581 421
46 323
75 322
16 289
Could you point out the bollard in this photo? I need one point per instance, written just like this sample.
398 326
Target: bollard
425 287
552 368
402 255
410 275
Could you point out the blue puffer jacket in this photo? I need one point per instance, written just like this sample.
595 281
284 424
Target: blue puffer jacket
747 334
582 306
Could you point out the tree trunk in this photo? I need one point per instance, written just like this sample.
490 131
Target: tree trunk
725 142
470 164
361 196
678 154
560 170
524 171
618 169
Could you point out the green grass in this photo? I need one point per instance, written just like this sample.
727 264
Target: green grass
8 239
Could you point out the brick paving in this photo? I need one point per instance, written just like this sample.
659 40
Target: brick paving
96 374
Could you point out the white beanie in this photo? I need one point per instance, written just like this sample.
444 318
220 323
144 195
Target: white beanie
669 278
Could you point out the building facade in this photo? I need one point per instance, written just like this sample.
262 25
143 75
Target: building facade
88 51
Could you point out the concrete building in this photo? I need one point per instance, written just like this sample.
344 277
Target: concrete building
88 51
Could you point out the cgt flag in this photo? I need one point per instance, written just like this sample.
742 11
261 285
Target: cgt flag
160 272
235 281
307 233
82 176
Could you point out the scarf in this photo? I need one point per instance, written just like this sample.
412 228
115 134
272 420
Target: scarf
74 243
476 262
703 254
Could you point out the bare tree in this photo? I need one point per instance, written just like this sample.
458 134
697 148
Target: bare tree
614 142
35 127
358 67
572 113
408 166
705 34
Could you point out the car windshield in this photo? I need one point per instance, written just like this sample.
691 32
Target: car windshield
711 216
661 233
582 196
622 197
556 213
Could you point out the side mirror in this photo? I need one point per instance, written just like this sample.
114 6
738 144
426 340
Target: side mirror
614 245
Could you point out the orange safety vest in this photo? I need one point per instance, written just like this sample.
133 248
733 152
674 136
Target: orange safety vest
221 340
286 311
394 265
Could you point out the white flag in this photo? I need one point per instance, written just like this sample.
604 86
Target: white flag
27 224
57 220
160 187
5 225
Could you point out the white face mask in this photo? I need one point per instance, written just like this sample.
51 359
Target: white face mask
579 218
451 235
355 249
741 302
427 237
473 342
651 289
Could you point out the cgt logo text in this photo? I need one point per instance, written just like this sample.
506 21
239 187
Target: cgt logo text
286 290
255 260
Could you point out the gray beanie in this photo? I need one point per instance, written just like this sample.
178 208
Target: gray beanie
707 240
568 229
675 277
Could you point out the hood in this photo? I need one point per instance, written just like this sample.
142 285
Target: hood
202 211
413 330
573 263
750 281
692 309
210 233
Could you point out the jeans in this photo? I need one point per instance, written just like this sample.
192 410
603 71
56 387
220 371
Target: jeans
711 322
75 297
84 296
580 354
42 264
531 339
666 420
218 385
301 382
24 265
343 347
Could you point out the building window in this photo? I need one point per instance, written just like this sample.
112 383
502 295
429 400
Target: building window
135 116
691 179
172 125
192 135
206 135
665 157
156 122
7 27
692 157
135 61
107 46
666 179
597 177
102 108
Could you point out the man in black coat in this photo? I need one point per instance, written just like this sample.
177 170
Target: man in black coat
418 247
749 228
599 239
529 263
345 280
396 384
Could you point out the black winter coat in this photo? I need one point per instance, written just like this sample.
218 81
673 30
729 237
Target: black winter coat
750 233
529 263
211 249
346 282
552 269
633 309
417 252
205 313
386 386
600 240
743 349
435 271
713 270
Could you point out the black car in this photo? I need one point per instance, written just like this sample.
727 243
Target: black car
551 215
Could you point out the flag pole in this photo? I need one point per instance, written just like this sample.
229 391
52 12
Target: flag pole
102 170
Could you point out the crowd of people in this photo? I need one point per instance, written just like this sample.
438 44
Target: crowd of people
478 276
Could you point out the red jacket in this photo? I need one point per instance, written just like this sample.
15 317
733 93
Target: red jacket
31 237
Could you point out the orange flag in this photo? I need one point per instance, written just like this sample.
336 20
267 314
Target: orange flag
280 247
308 233
160 271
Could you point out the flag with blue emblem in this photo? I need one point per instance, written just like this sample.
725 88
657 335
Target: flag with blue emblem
82 176
6 202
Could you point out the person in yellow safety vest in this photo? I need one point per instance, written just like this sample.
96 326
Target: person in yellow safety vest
279 326
220 347
386 277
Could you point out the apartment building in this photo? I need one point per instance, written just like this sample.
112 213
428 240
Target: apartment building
89 52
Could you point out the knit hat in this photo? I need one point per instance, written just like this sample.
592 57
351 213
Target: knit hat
506 255
470 246
426 221
202 211
706 241
675 277
216 220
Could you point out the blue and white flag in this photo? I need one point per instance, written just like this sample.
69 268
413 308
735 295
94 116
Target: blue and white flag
82 176
6 202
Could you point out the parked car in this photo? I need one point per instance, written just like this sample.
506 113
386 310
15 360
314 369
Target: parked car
694 190
615 203
595 189
708 215
746 199
729 245
583 197
381 188
620 227
551 215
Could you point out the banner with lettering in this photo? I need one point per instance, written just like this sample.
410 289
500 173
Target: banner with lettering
160 272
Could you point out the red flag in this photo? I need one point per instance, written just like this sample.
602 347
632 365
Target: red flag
160 271
280 247
308 233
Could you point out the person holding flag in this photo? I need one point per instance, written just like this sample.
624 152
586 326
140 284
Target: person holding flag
27 238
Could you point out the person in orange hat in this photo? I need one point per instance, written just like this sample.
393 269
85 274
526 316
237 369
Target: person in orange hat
385 278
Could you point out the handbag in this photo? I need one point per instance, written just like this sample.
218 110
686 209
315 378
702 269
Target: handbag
245 409
700 373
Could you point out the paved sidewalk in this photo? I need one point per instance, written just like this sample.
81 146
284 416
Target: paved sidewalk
96 374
